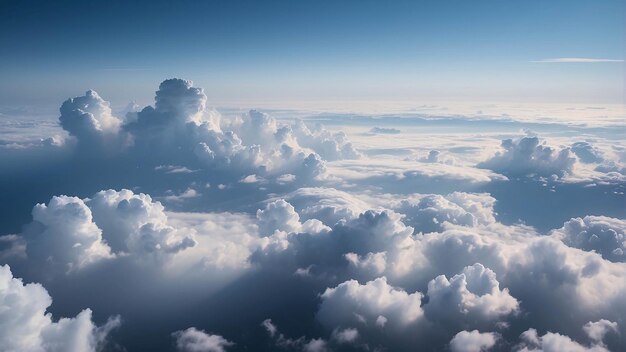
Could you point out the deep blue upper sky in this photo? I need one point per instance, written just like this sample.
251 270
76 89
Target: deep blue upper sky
314 50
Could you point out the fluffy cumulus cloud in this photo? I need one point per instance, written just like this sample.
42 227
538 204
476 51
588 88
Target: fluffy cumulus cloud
26 326
70 233
328 205
207 231
375 304
375 276
431 212
89 118
553 342
63 234
604 235
473 296
530 156
586 152
280 216
374 243
473 341
180 130
135 224
194 340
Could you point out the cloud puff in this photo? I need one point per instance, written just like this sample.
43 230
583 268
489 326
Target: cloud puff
330 146
587 153
527 155
194 340
134 223
554 342
328 205
25 325
72 233
365 245
473 296
597 330
90 120
64 235
430 212
353 304
604 235
435 156
181 130
298 344
473 341
281 216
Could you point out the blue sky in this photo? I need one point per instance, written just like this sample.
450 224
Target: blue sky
314 50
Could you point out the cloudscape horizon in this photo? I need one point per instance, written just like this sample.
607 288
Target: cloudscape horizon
312 176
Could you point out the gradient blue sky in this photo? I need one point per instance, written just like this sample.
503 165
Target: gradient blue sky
302 50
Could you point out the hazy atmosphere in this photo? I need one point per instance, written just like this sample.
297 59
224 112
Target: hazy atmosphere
210 176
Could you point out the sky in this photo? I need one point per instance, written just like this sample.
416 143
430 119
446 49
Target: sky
312 176
289 51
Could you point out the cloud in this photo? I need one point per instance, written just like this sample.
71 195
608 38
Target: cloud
604 235
528 156
281 216
63 235
328 205
383 130
473 296
135 224
351 303
90 120
297 344
435 156
70 233
179 134
587 153
194 340
364 243
26 326
576 60
597 330
408 176
473 341
345 336
553 342
430 212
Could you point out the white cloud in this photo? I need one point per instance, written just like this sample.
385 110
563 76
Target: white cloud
473 341
576 60
298 344
351 303
430 212
597 330
90 120
134 223
194 340
554 342
70 233
473 296
604 235
26 327
64 235
281 216
328 205
528 155
349 335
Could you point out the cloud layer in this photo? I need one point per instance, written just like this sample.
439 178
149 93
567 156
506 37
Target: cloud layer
227 231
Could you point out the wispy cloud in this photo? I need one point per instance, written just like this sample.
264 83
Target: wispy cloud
575 60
